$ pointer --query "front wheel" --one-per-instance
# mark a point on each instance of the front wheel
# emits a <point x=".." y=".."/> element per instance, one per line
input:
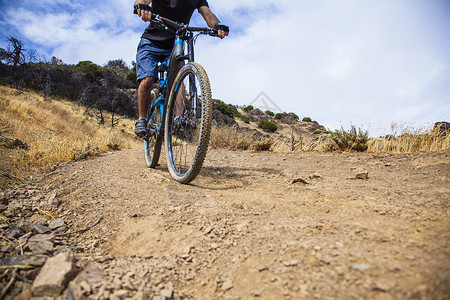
<point x="188" y="123"/>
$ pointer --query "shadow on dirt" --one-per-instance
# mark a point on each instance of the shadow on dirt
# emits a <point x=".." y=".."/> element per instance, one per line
<point x="225" y="178"/>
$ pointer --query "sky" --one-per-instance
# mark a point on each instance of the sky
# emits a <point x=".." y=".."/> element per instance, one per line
<point x="365" y="63"/>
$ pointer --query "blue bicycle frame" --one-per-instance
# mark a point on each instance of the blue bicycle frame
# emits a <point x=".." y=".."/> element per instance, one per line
<point x="167" y="74"/>
<point x="161" y="100"/>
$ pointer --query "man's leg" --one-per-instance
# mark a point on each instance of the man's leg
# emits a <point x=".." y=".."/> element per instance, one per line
<point x="146" y="68"/>
<point x="147" y="58"/>
<point x="181" y="99"/>
<point x="144" y="89"/>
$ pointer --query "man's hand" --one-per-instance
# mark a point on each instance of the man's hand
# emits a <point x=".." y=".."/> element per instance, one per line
<point x="222" y="30"/>
<point x="222" y="34"/>
<point x="144" y="11"/>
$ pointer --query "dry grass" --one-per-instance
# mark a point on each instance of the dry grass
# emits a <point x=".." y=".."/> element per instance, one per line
<point x="54" y="131"/>
<point x="299" y="143"/>
<point x="230" y="137"/>
<point x="406" y="138"/>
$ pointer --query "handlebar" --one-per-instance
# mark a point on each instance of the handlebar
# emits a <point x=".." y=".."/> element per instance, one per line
<point x="180" y="28"/>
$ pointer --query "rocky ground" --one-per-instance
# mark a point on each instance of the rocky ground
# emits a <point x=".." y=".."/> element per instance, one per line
<point x="253" y="225"/>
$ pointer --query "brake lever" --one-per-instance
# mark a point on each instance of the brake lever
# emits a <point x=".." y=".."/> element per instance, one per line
<point x="158" y="22"/>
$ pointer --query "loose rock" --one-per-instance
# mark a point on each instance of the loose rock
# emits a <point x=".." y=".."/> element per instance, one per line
<point x="24" y="260"/>
<point x="54" y="224"/>
<point x="299" y="180"/>
<point x="361" y="267"/>
<point x="41" y="228"/>
<point x="55" y="275"/>
<point x="315" y="176"/>
<point x="227" y="285"/>
<point x="81" y="285"/>
<point x="166" y="293"/>
<point x="14" y="233"/>
<point x="362" y="174"/>
<point x="291" y="263"/>
<point x="41" y="247"/>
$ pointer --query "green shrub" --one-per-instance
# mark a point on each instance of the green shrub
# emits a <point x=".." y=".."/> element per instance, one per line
<point x="224" y="108"/>
<point x="294" y="115"/>
<point x="270" y="113"/>
<point x="248" y="108"/>
<point x="243" y="145"/>
<point x="91" y="71"/>
<point x="352" y="140"/>
<point x="317" y="132"/>
<point x="306" y="119"/>
<point x="263" y="144"/>
<point x="267" y="125"/>
<point x="243" y="118"/>
<point x="278" y="116"/>
<point x="132" y="76"/>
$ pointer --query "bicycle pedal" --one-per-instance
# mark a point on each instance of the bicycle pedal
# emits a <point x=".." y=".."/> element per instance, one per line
<point x="151" y="131"/>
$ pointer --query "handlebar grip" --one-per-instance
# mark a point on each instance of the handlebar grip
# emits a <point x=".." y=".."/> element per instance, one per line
<point x="213" y="32"/>
<point x="222" y="27"/>
<point x="142" y="7"/>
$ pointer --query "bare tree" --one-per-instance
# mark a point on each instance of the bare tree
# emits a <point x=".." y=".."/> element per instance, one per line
<point x="32" y="56"/>
<point x="14" y="53"/>
<point x="293" y="142"/>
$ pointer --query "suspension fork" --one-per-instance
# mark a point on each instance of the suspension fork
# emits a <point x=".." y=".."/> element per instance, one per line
<point x="193" y="87"/>
<point x="190" y="47"/>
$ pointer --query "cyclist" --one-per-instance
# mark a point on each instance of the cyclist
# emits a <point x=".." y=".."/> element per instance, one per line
<point x="156" y="45"/>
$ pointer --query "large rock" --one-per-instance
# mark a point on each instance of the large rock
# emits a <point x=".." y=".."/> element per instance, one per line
<point x="55" y="275"/>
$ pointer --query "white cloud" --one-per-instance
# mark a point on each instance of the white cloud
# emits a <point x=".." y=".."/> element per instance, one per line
<point x="79" y="31"/>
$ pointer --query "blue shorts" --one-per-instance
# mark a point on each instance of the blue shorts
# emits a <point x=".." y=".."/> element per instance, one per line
<point x="147" y="58"/>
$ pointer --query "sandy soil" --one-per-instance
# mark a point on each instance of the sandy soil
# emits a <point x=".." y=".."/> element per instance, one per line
<point x="266" y="225"/>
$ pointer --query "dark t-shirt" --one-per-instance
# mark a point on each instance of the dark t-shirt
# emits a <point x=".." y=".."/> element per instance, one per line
<point x="176" y="10"/>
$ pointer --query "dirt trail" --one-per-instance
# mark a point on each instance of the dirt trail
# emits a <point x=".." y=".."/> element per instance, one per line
<point x="249" y="226"/>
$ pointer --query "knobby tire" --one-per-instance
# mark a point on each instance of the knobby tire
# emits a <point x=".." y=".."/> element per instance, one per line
<point x="194" y="139"/>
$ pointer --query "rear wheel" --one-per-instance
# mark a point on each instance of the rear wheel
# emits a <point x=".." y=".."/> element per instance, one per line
<point x="153" y="140"/>
<point x="188" y="123"/>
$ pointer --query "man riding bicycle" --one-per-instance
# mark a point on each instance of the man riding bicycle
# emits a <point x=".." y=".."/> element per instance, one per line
<point x="156" y="45"/>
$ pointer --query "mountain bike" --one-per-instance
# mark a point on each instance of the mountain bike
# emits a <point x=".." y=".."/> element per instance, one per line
<point x="181" y="112"/>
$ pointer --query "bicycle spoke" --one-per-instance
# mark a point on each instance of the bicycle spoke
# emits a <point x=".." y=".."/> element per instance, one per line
<point x="187" y="133"/>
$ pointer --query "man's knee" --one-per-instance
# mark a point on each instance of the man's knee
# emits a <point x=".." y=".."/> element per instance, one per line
<point x="146" y="82"/>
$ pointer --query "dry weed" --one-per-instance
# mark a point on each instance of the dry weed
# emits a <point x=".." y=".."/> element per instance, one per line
<point x="231" y="137"/>
<point x="405" y="138"/>
<point x="300" y="143"/>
